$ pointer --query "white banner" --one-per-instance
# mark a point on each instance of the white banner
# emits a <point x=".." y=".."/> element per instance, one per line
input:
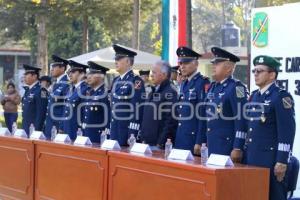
<point x="276" y="33"/>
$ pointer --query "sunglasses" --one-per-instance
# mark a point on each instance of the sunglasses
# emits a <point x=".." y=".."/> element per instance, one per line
<point x="258" y="71"/>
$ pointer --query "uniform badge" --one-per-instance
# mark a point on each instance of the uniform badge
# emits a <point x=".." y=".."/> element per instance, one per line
<point x="267" y="102"/>
<point x="210" y="96"/>
<point x="240" y="92"/>
<point x="137" y="84"/>
<point x="287" y="102"/>
<point x="221" y="94"/>
<point x="44" y="94"/>
<point x="191" y="90"/>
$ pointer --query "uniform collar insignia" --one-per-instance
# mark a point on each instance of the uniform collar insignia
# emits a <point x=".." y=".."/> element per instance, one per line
<point x="221" y="94"/>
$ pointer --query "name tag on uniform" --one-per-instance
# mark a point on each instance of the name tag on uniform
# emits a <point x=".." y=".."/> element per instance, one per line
<point x="37" y="135"/>
<point x="219" y="160"/>
<point x="179" y="154"/>
<point x="62" y="138"/>
<point x="4" y="132"/>
<point x="20" y="133"/>
<point x="111" y="145"/>
<point x="82" y="141"/>
<point x="141" y="148"/>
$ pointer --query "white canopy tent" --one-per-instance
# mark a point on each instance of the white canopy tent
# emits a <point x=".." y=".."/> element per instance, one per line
<point x="105" y="57"/>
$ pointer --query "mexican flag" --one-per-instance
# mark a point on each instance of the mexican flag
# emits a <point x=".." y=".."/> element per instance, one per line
<point x="173" y="28"/>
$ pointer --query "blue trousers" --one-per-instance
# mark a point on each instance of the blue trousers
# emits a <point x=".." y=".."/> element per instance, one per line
<point x="10" y="118"/>
<point x="278" y="190"/>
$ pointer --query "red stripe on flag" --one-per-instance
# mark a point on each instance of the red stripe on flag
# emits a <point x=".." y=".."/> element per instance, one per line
<point x="182" y="41"/>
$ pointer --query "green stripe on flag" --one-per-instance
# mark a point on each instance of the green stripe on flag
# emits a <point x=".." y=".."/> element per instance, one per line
<point x="165" y="29"/>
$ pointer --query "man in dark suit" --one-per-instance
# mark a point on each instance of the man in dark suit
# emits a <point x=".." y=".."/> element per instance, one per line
<point x="158" y="123"/>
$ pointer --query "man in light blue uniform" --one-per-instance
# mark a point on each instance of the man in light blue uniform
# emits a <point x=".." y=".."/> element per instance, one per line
<point x="34" y="101"/>
<point x="58" y="95"/>
<point x="73" y="119"/>
<point x="97" y="107"/>
<point x="271" y="125"/>
<point x="226" y="125"/>
<point x="127" y="95"/>
<point x="190" y="132"/>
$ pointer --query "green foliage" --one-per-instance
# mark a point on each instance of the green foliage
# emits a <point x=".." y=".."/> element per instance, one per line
<point x="207" y="21"/>
<point x="265" y="3"/>
<point x="108" y="22"/>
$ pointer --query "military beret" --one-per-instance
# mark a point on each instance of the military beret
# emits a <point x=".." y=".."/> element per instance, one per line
<point x="96" y="68"/>
<point x="221" y="55"/>
<point x="31" y="69"/>
<point x="75" y="66"/>
<point x="144" y="72"/>
<point x="122" y="52"/>
<point x="186" y="54"/>
<point x="268" y="61"/>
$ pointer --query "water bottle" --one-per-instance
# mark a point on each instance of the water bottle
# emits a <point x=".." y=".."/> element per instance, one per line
<point x="131" y="140"/>
<point x="53" y="133"/>
<point x="14" y="128"/>
<point x="103" y="137"/>
<point x="204" y="153"/>
<point x="79" y="132"/>
<point x="31" y="129"/>
<point x="168" y="147"/>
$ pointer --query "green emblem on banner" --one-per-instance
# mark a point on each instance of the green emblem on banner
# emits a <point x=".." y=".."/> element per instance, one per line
<point x="260" y="29"/>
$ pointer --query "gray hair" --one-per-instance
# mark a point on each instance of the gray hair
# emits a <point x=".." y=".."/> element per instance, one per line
<point x="164" y="67"/>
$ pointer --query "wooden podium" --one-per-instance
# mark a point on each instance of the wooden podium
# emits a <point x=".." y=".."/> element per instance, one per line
<point x="68" y="172"/>
<point x="134" y="177"/>
<point x="16" y="168"/>
<point x="46" y="170"/>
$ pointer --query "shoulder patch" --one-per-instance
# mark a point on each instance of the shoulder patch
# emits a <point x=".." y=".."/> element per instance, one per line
<point x="287" y="102"/>
<point x="240" y="91"/>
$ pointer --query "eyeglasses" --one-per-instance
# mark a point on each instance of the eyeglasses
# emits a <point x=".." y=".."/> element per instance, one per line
<point x="258" y="71"/>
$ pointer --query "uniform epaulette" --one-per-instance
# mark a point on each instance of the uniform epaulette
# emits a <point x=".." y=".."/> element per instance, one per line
<point x="239" y="82"/>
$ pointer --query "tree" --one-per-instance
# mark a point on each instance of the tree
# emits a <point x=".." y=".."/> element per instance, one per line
<point x="75" y="26"/>
<point x="207" y="21"/>
<point x="42" y="56"/>
<point x="136" y="24"/>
